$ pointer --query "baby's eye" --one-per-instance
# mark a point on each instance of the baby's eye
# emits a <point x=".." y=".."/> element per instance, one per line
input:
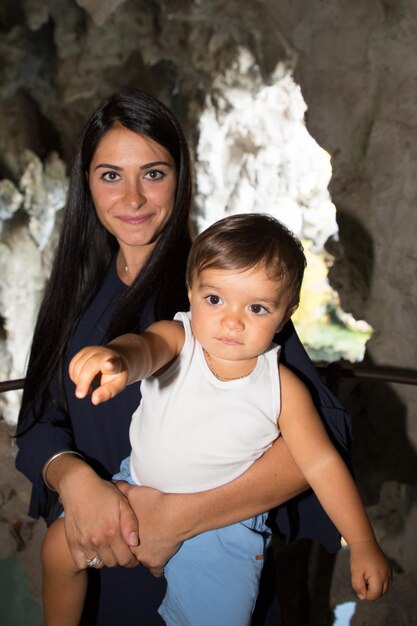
<point x="155" y="174"/>
<point x="213" y="300"/>
<point x="258" y="309"/>
<point x="110" y="177"/>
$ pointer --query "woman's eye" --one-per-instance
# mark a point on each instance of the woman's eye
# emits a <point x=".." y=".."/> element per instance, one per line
<point x="213" y="300"/>
<point x="258" y="309"/>
<point x="154" y="174"/>
<point x="110" y="177"/>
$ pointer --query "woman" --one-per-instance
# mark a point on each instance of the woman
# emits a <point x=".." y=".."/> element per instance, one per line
<point x="119" y="266"/>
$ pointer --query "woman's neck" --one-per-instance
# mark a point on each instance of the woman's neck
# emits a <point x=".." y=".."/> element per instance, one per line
<point x="130" y="262"/>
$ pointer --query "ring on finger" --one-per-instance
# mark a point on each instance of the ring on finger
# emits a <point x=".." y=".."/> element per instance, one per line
<point x="95" y="561"/>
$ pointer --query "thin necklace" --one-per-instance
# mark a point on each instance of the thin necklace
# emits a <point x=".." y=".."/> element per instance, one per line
<point x="122" y="263"/>
<point x="213" y="371"/>
<point x="124" y="267"/>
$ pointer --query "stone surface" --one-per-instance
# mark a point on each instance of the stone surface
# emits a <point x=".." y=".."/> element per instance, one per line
<point x="18" y="532"/>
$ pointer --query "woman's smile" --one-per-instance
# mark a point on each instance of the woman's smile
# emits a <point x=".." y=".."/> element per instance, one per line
<point x="134" y="219"/>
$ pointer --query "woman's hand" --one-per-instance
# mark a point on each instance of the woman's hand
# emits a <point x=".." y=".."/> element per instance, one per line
<point x="160" y="525"/>
<point x="370" y="570"/>
<point x="98" y="518"/>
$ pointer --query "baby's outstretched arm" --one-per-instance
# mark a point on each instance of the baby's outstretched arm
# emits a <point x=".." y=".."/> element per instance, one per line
<point x="125" y="360"/>
<point x="332" y="483"/>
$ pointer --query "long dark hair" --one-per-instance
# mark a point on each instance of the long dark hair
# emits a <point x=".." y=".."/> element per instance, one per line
<point x="85" y="248"/>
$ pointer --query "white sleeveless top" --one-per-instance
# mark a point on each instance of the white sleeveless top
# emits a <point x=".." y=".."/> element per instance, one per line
<point x="193" y="432"/>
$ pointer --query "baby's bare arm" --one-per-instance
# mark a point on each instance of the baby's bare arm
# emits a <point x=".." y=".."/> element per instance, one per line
<point x="124" y="360"/>
<point x="332" y="482"/>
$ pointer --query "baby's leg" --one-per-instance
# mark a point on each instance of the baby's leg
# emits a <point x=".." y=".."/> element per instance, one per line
<point x="64" y="586"/>
<point x="214" y="577"/>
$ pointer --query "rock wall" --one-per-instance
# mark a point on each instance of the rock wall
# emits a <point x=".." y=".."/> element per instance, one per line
<point x="356" y="64"/>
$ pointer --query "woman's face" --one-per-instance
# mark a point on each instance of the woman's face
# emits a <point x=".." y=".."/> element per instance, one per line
<point x="132" y="182"/>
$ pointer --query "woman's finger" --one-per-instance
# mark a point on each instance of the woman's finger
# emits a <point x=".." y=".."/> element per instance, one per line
<point x="93" y="525"/>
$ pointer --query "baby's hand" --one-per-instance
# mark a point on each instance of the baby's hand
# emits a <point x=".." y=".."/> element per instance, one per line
<point x="370" y="570"/>
<point x="103" y="365"/>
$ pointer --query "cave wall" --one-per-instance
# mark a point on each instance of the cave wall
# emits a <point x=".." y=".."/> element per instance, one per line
<point x="356" y="64"/>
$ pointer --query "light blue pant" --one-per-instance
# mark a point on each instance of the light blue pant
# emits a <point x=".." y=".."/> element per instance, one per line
<point x="213" y="579"/>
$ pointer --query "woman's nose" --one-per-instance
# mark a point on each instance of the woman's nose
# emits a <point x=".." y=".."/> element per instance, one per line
<point x="134" y="197"/>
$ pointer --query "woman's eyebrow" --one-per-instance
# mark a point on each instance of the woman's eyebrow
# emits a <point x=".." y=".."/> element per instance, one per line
<point x="154" y="164"/>
<point x="110" y="166"/>
<point x="107" y="166"/>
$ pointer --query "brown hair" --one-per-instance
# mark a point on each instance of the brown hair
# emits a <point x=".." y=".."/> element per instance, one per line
<point x="247" y="240"/>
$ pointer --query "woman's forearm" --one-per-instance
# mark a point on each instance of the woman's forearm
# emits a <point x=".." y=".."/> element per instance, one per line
<point x="168" y="519"/>
<point x="271" y="480"/>
<point x="65" y="466"/>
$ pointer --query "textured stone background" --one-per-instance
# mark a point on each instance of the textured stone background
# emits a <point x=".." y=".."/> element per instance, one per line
<point x="356" y="63"/>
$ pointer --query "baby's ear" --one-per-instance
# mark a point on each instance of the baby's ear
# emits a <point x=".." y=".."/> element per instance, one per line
<point x="290" y="312"/>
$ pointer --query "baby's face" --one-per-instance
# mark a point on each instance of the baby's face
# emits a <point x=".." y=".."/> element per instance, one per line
<point x="235" y="314"/>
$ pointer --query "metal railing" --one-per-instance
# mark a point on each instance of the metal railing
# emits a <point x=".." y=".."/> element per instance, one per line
<point x="12" y="385"/>
<point x="333" y="373"/>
